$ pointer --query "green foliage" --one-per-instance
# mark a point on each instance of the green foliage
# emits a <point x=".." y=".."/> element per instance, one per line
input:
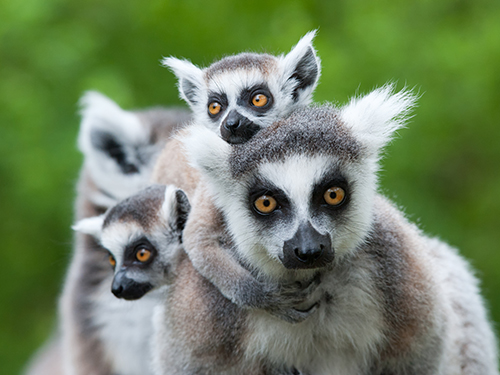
<point x="444" y="169"/>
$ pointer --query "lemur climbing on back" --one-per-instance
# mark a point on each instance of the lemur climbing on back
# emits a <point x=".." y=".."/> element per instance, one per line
<point x="299" y="200"/>
<point x="235" y="98"/>
<point x="120" y="148"/>
<point x="241" y="94"/>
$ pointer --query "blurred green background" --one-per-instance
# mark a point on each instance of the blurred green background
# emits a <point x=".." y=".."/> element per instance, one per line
<point x="444" y="169"/>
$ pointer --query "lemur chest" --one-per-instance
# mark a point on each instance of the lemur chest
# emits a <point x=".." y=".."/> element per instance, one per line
<point x="342" y="336"/>
<point x="125" y="329"/>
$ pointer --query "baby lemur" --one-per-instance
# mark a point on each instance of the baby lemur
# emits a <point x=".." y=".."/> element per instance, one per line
<point x="143" y="237"/>
<point x="299" y="200"/>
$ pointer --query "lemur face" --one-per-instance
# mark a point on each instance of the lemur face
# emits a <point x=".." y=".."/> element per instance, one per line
<point x="300" y="193"/>
<point x="143" y="237"/>
<point x="239" y="95"/>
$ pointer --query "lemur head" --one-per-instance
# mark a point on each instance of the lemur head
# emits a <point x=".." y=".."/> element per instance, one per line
<point x="120" y="147"/>
<point x="143" y="236"/>
<point x="301" y="192"/>
<point x="240" y="94"/>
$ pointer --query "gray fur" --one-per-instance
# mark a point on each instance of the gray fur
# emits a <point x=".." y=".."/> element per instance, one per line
<point x="287" y="81"/>
<point x="394" y="301"/>
<point x="87" y="308"/>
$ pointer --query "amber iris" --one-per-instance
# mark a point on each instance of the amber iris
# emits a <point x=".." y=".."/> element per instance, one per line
<point x="259" y="100"/>
<point x="143" y="255"/>
<point x="265" y="204"/>
<point x="334" y="196"/>
<point x="112" y="261"/>
<point x="214" y="108"/>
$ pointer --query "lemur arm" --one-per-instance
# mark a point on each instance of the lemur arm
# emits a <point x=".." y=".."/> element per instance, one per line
<point x="204" y="242"/>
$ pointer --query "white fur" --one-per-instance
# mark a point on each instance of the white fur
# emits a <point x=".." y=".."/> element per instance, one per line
<point x="232" y="83"/>
<point x="375" y="117"/>
<point x="91" y="225"/>
<point x="101" y="113"/>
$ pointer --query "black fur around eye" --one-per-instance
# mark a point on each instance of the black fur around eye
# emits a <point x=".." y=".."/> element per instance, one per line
<point x="257" y="98"/>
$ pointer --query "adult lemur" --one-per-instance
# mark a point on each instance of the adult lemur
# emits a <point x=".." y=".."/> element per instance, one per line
<point x="120" y="148"/>
<point x="300" y="200"/>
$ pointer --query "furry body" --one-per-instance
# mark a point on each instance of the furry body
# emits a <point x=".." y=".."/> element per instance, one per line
<point x="393" y="301"/>
<point x="98" y="333"/>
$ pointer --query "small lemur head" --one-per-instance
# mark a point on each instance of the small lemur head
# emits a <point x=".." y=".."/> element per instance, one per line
<point x="143" y="236"/>
<point x="301" y="192"/>
<point x="240" y="94"/>
<point x="120" y="147"/>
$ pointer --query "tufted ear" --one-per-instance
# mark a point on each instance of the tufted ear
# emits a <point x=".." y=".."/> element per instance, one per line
<point x="190" y="79"/>
<point x="175" y="208"/>
<point x="301" y="70"/>
<point x="375" y="117"/>
<point x="90" y="225"/>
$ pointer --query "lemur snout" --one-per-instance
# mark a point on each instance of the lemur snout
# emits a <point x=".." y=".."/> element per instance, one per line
<point x="307" y="249"/>
<point x="128" y="289"/>
<point x="236" y="128"/>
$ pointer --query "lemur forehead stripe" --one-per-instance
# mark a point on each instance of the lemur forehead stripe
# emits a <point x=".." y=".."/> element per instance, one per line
<point x="246" y="61"/>
<point x="141" y="208"/>
<point x="307" y="131"/>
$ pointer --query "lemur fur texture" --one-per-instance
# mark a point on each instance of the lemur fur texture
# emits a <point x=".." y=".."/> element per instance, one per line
<point x="99" y="334"/>
<point x="299" y="201"/>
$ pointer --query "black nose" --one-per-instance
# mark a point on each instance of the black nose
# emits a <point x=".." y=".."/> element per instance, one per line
<point x="307" y="249"/>
<point x="129" y="289"/>
<point x="236" y="128"/>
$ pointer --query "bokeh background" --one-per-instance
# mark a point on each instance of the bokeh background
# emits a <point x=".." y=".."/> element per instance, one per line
<point x="443" y="169"/>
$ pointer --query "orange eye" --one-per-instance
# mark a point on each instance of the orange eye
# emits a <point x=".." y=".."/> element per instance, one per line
<point x="259" y="100"/>
<point x="334" y="196"/>
<point x="143" y="255"/>
<point x="265" y="204"/>
<point x="112" y="260"/>
<point x="214" y="108"/>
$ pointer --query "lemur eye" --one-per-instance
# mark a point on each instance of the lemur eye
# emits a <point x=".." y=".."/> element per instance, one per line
<point x="214" y="108"/>
<point x="334" y="196"/>
<point x="259" y="100"/>
<point x="265" y="204"/>
<point x="112" y="260"/>
<point x="143" y="255"/>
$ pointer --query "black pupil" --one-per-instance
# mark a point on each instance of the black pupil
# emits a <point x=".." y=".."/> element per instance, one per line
<point x="333" y="195"/>
<point x="266" y="203"/>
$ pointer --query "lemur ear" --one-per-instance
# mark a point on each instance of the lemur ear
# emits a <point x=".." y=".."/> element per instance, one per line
<point x="90" y="225"/>
<point x="109" y="133"/>
<point x="375" y="117"/>
<point x="190" y="78"/>
<point x="208" y="153"/>
<point x="175" y="208"/>
<point x="301" y="70"/>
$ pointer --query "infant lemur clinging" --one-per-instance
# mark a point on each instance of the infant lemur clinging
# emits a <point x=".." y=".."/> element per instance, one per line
<point x="241" y="94"/>
<point x="254" y="90"/>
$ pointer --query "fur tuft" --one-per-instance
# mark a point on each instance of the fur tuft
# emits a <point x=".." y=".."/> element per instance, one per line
<point x="91" y="225"/>
<point x="375" y="117"/>
<point x="190" y="78"/>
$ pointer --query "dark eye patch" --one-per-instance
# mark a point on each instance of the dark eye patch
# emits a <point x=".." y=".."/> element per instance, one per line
<point x="262" y="187"/>
<point x="333" y="179"/>
<point x="129" y="257"/>
<point x="220" y="98"/>
<point x="246" y="95"/>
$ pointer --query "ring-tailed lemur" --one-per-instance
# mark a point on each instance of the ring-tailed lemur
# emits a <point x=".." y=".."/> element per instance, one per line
<point x="120" y="148"/>
<point x="240" y="94"/>
<point x="143" y="236"/>
<point x="300" y="199"/>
